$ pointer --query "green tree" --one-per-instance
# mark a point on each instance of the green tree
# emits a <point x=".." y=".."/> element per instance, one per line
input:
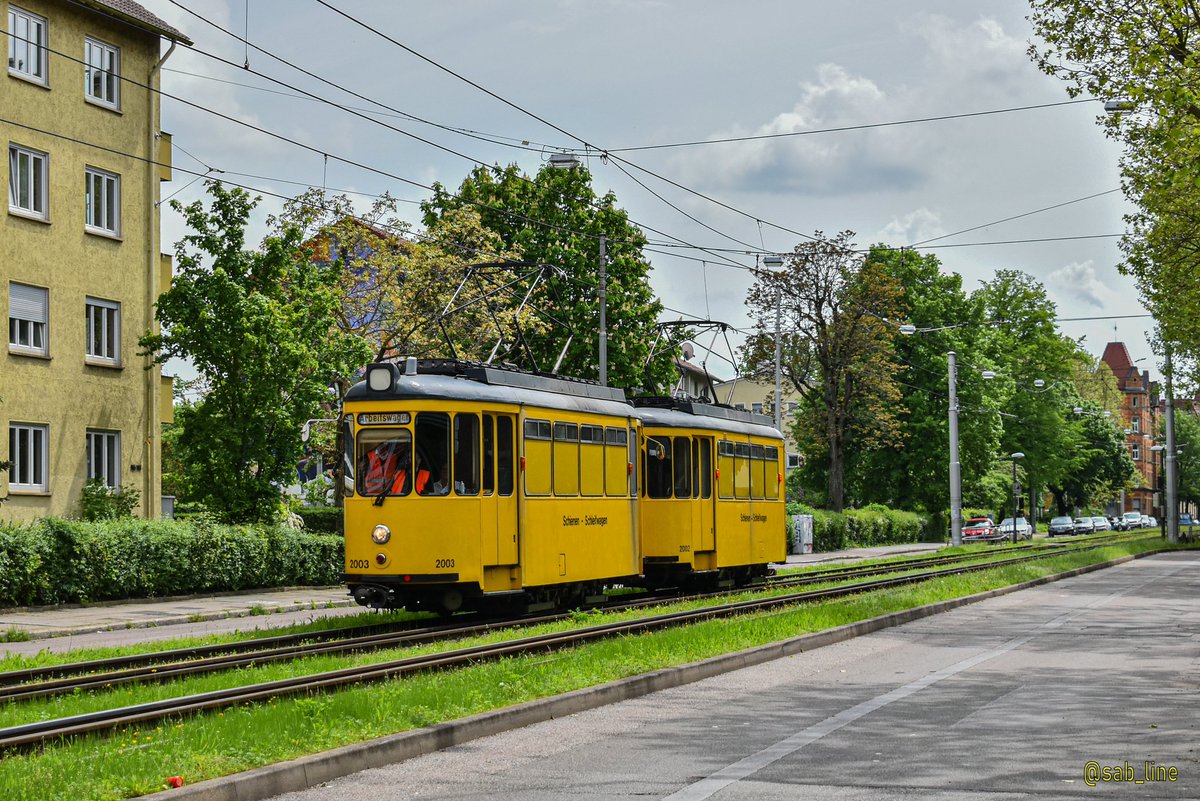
<point x="912" y="470"/>
<point x="1147" y="54"/>
<point x="837" y="350"/>
<point x="259" y="328"/>
<point x="1100" y="465"/>
<point x="555" y="218"/>
<point x="1026" y="348"/>
<point x="1187" y="443"/>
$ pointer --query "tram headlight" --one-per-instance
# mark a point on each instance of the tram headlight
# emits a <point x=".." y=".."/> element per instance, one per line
<point x="381" y="534"/>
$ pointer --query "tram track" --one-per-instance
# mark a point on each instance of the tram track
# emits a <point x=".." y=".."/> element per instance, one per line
<point x="31" y="735"/>
<point x="161" y="666"/>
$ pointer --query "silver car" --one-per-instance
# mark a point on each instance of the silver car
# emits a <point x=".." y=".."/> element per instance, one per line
<point x="1101" y="524"/>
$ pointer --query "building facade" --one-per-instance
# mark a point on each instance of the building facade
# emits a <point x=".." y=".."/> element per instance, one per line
<point x="1138" y="411"/>
<point x="80" y="260"/>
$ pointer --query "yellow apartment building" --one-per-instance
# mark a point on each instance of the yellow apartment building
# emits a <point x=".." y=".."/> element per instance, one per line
<point x="80" y="260"/>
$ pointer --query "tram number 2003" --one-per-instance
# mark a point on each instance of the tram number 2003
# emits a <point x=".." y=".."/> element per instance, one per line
<point x="359" y="564"/>
<point x="438" y="563"/>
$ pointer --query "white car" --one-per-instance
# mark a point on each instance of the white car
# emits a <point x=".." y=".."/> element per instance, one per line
<point x="1101" y="524"/>
<point x="1024" y="531"/>
<point x="1132" y="520"/>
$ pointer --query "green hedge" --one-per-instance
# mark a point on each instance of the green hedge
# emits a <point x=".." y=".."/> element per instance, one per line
<point x="68" y="561"/>
<point x="860" y="528"/>
<point x="321" y="518"/>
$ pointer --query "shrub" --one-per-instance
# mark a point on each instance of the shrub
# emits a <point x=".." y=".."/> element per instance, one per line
<point x="70" y="561"/>
<point x="857" y="528"/>
<point x="102" y="502"/>
<point x="321" y="518"/>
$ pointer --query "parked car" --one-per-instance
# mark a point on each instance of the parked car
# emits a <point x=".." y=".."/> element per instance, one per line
<point x="1153" y="521"/>
<point x="1186" y="519"/>
<point x="1101" y="524"/>
<point x="1060" y="526"/>
<point x="1132" y="520"/>
<point x="1117" y="523"/>
<point x="1083" y="525"/>
<point x="1145" y="521"/>
<point x="1024" y="531"/>
<point x="980" y="529"/>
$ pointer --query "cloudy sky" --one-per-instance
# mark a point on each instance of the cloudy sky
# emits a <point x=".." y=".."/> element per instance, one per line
<point x="624" y="75"/>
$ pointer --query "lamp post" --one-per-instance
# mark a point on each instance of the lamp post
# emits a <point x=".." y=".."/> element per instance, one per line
<point x="1015" y="458"/>
<point x="775" y="262"/>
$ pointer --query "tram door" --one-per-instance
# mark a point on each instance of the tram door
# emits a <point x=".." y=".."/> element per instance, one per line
<point x="498" y="519"/>
<point x="702" y="490"/>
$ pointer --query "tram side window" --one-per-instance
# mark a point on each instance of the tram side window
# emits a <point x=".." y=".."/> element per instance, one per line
<point x="773" y="469"/>
<point x="725" y="465"/>
<point x="466" y="454"/>
<point x="566" y="459"/>
<point x="658" y="467"/>
<point x="489" y="454"/>
<point x="741" y="473"/>
<point x="504" y="455"/>
<point x="706" y="468"/>
<point x="348" y="455"/>
<point x="433" y="453"/>
<point x="384" y="461"/>
<point x="758" y="467"/>
<point x="683" y="467"/>
<point x="537" y="457"/>
<point x="591" y="460"/>
<point x="616" y="461"/>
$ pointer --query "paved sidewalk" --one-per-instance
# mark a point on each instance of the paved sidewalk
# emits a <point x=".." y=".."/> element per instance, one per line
<point x="61" y="621"/>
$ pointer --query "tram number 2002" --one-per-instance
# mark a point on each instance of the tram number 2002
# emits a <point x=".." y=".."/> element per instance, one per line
<point x="438" y="563"/>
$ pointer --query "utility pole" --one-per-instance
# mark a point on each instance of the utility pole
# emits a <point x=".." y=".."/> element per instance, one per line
<point x="955" y="468"/>
<point x="603" y="310"/>
<point x="1169" y="460"/>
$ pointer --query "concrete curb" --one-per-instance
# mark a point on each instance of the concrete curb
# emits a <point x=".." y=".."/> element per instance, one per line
<point x="315" y="769"/>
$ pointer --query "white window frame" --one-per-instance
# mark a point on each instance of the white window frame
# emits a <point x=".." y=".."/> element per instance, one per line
<point x="22" y="43"/>
<point x="28" y="319"/>
<point x="1137" y="452"/>
<point x="95" y="56"/>
<point x="35" y="183"/>
<point x="103" y="335"/>
<point x="104" y="457"/>
<point x="1136" y="425"/>
<point x="102" y="201"/>
<point x="29" y="453"/>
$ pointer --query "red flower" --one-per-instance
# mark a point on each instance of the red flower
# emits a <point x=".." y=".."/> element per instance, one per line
<point x="175" y="781"/>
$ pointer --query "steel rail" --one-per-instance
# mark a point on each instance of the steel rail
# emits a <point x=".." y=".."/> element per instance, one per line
<point x="34" y="734"/>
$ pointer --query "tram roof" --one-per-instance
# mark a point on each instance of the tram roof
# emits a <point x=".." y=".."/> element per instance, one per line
<point x="675" y="413"/>
<point x="466" y="381"/>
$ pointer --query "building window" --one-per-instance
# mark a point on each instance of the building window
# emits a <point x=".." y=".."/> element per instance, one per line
<point x="793" y="461"/>
<point x="27" y="174"/>
<point x="26" y="44"/>
<point x="1137" y="453"/>
<point x="102" y="201"/>
<point x="104" y="457"/>
<point x="28" y="319"/>
<point x="792" y="406"/>
<point x="102" y="72"/>
<point x="1136" y="423"/>
<point x="103" y="330"/>
<point x="27" y="451"/>
<point x="757" y="408"/>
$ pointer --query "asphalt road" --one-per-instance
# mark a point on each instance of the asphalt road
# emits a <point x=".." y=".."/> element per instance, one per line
<point x="1010" y="698"/>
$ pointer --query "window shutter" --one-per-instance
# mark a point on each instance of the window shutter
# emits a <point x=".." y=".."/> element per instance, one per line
<point x="28" y="303"/>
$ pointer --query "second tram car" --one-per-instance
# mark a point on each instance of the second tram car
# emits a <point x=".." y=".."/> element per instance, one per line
<point x="475" y="487"/>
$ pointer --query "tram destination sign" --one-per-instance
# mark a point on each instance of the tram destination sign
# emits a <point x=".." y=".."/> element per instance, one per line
<point x="383" y="418"/>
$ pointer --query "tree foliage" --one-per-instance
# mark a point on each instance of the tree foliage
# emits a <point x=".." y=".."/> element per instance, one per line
<point x="556" y="219"/>
<point x="837" y="349"/>
<point x="259" y="328"/>
<point x="1146" y="54"/>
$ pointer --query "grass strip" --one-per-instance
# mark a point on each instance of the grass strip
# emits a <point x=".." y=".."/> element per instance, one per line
<point x="135" y="762"/>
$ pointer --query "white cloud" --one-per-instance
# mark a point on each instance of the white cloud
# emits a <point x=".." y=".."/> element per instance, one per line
<point x="1079" y="282"/>
<point x="916" y="226"/>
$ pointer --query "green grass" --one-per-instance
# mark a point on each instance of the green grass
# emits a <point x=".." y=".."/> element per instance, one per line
<point x="135" y="762"/>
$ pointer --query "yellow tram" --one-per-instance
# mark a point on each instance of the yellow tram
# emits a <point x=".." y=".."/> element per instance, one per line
<point x="472" y="486"/>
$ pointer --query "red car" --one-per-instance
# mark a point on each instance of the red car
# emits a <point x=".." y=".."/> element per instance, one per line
<point x="980" y="529"/>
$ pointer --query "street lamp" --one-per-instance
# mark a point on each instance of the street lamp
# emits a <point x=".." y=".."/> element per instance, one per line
<point x="1015" y="458"/>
